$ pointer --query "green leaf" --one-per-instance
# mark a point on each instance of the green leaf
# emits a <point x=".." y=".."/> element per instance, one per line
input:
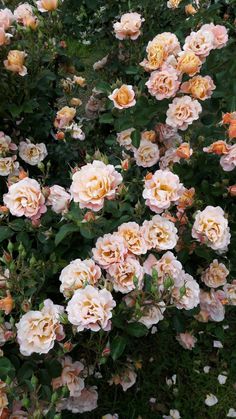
<point x="103" y="87"/>
<point x="5" y="233"/>
<point x="106" y="118"/>
<point x="136" y="137"/>
<point x="88" y="230"/>
<point x="117" y="347"/>
<point x="65" y="231"/>
<point x="6" y="368"/>
<point x="136" y="329"/>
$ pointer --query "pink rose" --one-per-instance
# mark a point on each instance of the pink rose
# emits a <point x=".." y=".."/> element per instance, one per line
<point x="59" y="199"/>
<point x="228" y="161"/>
<point x="186" y="340"/>
<point x="111" y="248"/>
<point x="163" y="83"/>
<point x="124" y="274"/>
<point x="6" y="18"/>
<point x="219" y="32"/>
<point x="182" y="112"/>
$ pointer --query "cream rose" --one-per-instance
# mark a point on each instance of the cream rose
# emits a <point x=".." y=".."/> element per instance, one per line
<point x="25" y="16"/>
<point x="219" y="33"/>
<point x="147" y="154"/>
<point x="8" y="165"/>
<point x="228" y="160"/>
<point x="159" y="233"/>
<point x="111" y="248"/>
<point x="166" y="267"/>
<point x="70" y="377"/>
<point x="93" y="183"/>
<point x="31" y="153"/>
<point x="78" y="274"/>
<point x="6" y="144"/>
<point x="230" y="293"/>
<point x="58" y="199"/>
<point x="4" y="37"/>
<point x="15" y="62"/>
<point x="188" y="62"/>
<point x="199" y="87"/>
<point x="200" y="42"/>
<point x="124" y="138"/>
<point x="163" y="83"/>
<point x="124" y="274"/>
<point x="132" y="236"/>
<point x="211" y="307"/>
<point x="215" y="275"/>
<point x="211" y="227"/>
<point x="90" y="308"/>
<point x="124" y="97"/>
<point x="182" y="112"/>
<point x="38" y="330"/>
<point x="187" y="294"/>
<point x="152" y="314"/>
<point x="156" y="55"/>
<point x="25" y="198"/>
<point x="128" y="27"/>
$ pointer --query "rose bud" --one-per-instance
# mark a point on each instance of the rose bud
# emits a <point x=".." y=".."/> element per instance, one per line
<point x="89" y="216"/>
<point x="232" y="190"/>
<point x="7" y="303"/>
<point x="125" y="164"/>
<point x="184" y="151"/>
<point x="60" y="135"/>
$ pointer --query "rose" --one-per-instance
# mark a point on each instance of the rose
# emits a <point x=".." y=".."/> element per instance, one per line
<point x="64" y="117"/>
<point x="211" y="307"/>
<point x="24" y="15"/>
<point x="70" y="377"/>
<point x="111" y="248"/>
<point x="134" y="241"/>
<point x="129" y="26"/>
<point x="152" y="314"/>
<point x="162" y="189"/>
<point x="200" y="42"/>
<point x="90" y="308"/>
<point x="78" y="274"/>
<point x="211" y="227"/>
<point x="186" y="340"/>
<point x="93" y="183"/>
<point x="230" y="293"/>
<point x="159" y="233"/>
<point x="186" y="295"/>
<point x="166" y="267"/>
<point x="147" y="154"/>
<point x="124" y="138"/>
<point x="124" y="97"/>
<point x="38" y="330"/>
<point x="59" y="199"/>
<point x="199" y="87"/>
<point x="25" y="198"/>
<point x="4" y="37"/>
<point x="163" y="83"/>
<point x="215" y="275"/>
<point x="47" y="5"/>
<point x="188" y="62"/>
<point x="228" y="161"/>
<point x="8" y="165"/>
<point x="86" y="402"/>
<point x="218" y="147"/>
<point x="219" y="33"/>
<point x="6" y="18"/>
<point x="124" y="274"/>
<point x="156" y="55"/>
<point x="15" y="62"/>
<point x="182" y="112"/>
<point x="31" y="153"/>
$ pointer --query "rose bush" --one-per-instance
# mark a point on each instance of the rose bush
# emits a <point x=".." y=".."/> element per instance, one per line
<point x="117" y="220"/>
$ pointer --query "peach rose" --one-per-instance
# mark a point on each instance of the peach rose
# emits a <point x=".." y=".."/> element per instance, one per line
<point x="47" y="5"/>
<point x="215" y="275"/>
<point x="200" y="42"/>
<point x="111" y="248"/>
<point x="8" y="165"/>
<point x="31" y="153"/>
<point x="124" y="138"/>
<point x="186" y="294"/>
<point x="6" y="18"/>
<point x="64" y="117"/>
<point x="219" y="33"/>
<point x="230" y="293"/>
<point x="232" y="130"/>
<point x="163" y="83"/>
<point x="25" y="16"/>
<point x="156" y="55"/>
<point x="184" y="151"/>
<point x="211" y="227"/>
<point x="126" y="378"/>
<point x="199" y="87"/>
<point x="15" y="62"/>
<point x="228" y="161"/>
<point x="173" y="4"/>
<point x="167" y="267"/>
<point x="218" y="147"/>
<point x="59" y="199"/>
<point x="149" y="136"/>
<point x="186" y="340"/>
<point x="170" y="41"/>
<point x="79" y="80"/>
<point x="188" y="62"/>
<point x="128" y="27"/>
<point x="25" y="198"/>
<point x="162" y="190"/>
<point x="93" y="183"/>
<point x="38" y="330"/>
<point x="124" y="97"/>
<point x="70" y="377"/>
<point x="91" y="308"/>
<point x="124" y="274"/>
<point x="159" y="233"/>
<point x="186" y="199"/>
<point x="147" y="154"/>
<point x="4" y="37"/>
<point x="211" y="307"/>
<point x="78" y="274"/>
<point x="190" y="10"/>
<point x="151" y="313"/>
<point x="132" y="236"/>
<point x="7" y="303"/>
<point x="232" y="190"/>
<point x="182" y="112"/>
